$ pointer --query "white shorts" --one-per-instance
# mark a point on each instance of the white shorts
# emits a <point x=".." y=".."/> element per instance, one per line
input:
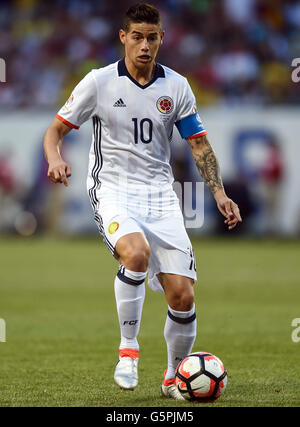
<point x="162" y="225"/>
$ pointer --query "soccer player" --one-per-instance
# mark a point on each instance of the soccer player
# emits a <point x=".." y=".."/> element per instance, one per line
<point x="134" y="104"/>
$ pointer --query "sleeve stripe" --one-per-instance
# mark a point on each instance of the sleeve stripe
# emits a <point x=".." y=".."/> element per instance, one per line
<point x="197" y="135"/>
<point x="66" y="122"/>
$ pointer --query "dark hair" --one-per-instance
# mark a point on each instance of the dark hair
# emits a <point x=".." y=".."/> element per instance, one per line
<point x="141" y="12"/>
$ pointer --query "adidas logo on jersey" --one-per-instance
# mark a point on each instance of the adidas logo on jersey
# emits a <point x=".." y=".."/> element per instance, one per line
<point x="119" y="103"/>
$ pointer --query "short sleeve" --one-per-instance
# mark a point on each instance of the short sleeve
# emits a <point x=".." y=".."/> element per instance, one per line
<point x="82" y="103"/>
<point x="188" y="121"/>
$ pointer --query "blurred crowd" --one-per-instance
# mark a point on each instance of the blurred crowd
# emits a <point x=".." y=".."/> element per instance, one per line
<point x="234" y="52"/>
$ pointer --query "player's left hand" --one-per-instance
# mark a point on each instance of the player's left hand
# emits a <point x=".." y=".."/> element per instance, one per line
<point x="229" y="209"/>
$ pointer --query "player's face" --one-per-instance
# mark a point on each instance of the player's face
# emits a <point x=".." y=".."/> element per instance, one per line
<point x="142" y="42"/>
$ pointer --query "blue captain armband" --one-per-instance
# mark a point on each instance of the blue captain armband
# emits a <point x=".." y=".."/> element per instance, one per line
<point x="191" y="126"/>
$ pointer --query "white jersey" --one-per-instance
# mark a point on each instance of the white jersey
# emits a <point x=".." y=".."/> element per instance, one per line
<point x="133" y="124"/>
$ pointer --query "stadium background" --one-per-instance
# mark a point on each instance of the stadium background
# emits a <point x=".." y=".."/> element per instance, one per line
<point x="237" y="56"/>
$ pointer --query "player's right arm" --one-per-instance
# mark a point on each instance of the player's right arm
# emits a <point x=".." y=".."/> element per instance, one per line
<point x="79" y="108"/>
<point x="58" y="170"/>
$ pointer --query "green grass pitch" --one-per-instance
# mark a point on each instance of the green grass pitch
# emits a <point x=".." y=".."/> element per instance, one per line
<point x="62" y="335"/>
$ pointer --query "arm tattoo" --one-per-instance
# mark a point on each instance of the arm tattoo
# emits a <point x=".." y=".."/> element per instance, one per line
<point x="207" y="163"/>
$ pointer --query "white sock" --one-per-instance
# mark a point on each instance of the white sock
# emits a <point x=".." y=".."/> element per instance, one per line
<point x="130" y="295"/>
<point x="180" y="334"/>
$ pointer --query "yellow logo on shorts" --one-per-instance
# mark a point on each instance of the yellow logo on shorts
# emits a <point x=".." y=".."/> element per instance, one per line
<point x="113" y="227"/>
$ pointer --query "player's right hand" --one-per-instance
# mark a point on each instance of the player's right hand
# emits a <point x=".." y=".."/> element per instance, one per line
<point x="58" y="172"/>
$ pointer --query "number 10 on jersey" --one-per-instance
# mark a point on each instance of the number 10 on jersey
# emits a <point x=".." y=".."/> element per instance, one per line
<point x="142" y="130"/>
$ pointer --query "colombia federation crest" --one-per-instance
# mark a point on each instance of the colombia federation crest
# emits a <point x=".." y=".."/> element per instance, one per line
<point x="113" y="227"/>
<point x="165" y="104"/>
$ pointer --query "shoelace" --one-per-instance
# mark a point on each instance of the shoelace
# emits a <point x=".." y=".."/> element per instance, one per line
<point x="127" y="364"/>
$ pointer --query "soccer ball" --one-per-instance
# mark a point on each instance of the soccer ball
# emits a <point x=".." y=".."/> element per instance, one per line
<point x="201" y="376"/>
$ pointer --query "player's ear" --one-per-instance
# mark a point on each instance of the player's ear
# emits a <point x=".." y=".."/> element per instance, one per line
<point x="122" y="36"/>
<point x="162" y="35"/>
